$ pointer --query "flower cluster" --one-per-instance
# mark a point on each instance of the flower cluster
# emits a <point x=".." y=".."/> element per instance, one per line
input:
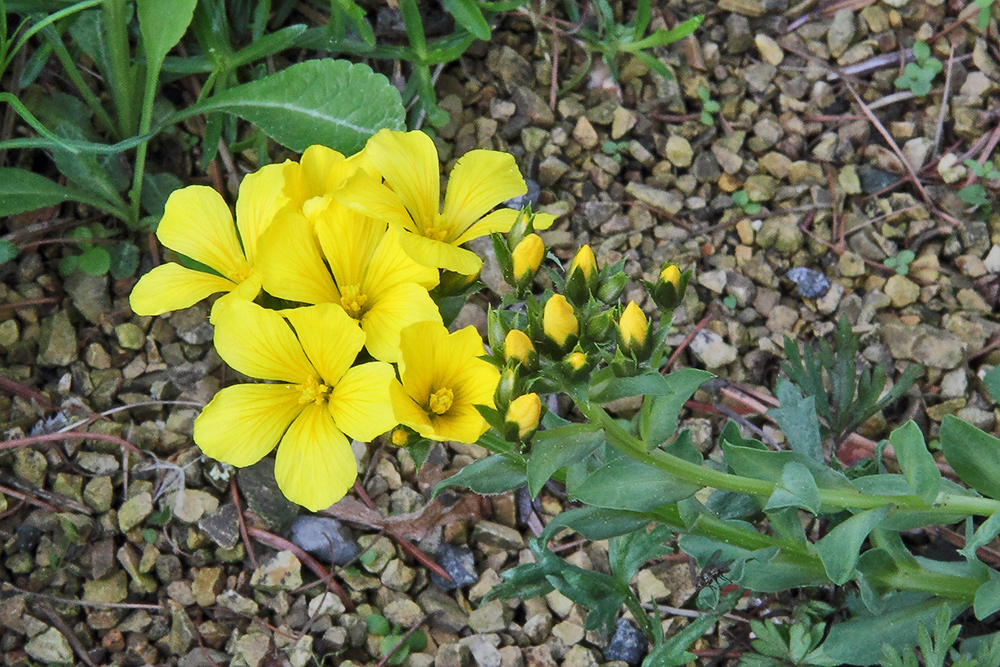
<point x="345" y="251"/>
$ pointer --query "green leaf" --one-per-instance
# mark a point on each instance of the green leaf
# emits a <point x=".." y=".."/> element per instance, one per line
<point x="22" y="190"/>
<point x="921" y="51"/>
<point x="377" y="625"/>
<point x="916" y="461"/>
<point x="646" y="487"/>
<point x="330" y="102"/>
<point x="992" y="382"/>
<point x="840" y="547"/>
<point x="67" y="265"/>
<point x="524" y="581"/>
<point x="468" y="15"/>
<point x="973" y="454"/>
<point x="673" y="652"/>
<point x="987" y="600"/>
<point x="156" y="188"/>
<point x="983" y="535"/>
<point x="797" y="419"/>
<point x="555" y="449"/>
<point x="8" y="251"/>
<point x="798" y="489"/>
<point x="418" y="452"/>
<point x="660" y="413"/>
<point x="753" y="459"/>
<point x="489" y="476"/>
<point x="768" y="572"/>
<point x="124" y="260"/>
<point x="162" y="24"/>
<point x="596" y="523"/>
<point x="630" y="552"/>
<point x="96" y="261"/>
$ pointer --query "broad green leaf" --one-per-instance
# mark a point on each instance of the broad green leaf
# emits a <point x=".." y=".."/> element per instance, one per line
<point x="660" y="413"/>
<point x="987" y="601"/>
<point x="162" y="24"/>
<point x="555" y="449"/>
<point x="753" y="459"/>
<point x="768" y="571"/>
<point x="468" y="15"/>
<point x="489" y="476"/>
<point x="155" y="190"/>
<point x="839" y="548"/>
<point x="8" y="251"/>
<point x="627" y="484"/>
<point x="992" y="382"/>
<point x="973" y="454"/>
<point x="797" y="419"/>
<point x="329" y="102"/>
<point x="611" y="388"/>
<point x="22" y="190"/>
<point x="595" y="523"/>
<point x="916" y="461"/>
<point x="96" y="261"/>
<point x="798" y="489"/>
<point x="787" y="524"/>
<point x="124" y="260"/>
<point x="418" y="452"/>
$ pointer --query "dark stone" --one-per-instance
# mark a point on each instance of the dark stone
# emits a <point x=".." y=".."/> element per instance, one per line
<point x="460" y="565"/>
<point x="325" y="538"/>
<point x="875" y="180"/>
<point x="627" y="644"/>
<point x="811" y="283"/>
<point x="263" y="496"/>
<point x="530" y="197"/>
<point x="222" y="526"/>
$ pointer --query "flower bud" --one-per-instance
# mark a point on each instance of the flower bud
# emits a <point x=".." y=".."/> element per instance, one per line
<point x="576" y="364"/>
<point x="668" y="292"/>
<point x="527" y="257"/>
<point x="508" y="387"/>
<point x="559" y="322"/>
<point x="523" y="415"/>
<point x="453" y="283"/>
<point x="517" y="347"/>
<point x="633" y="332"/>
<point x="582" y="276"/>
<point x="612" y="288"/>
<point x="399" y="436"/>
<point x="600" y="326"/>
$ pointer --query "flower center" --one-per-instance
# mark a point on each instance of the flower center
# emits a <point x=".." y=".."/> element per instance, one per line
<point x="439" y="230"/>
<point x="441" y="400"/>
<point x="314" y="391"/>
<point x="353" y="301"/>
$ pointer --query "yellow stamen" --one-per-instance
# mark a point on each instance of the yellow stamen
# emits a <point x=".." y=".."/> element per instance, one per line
<point x="314" y="391"/>
<point x="353" y="301"/>
<point x="440" y="401"/>
<point x="439" y="230"/>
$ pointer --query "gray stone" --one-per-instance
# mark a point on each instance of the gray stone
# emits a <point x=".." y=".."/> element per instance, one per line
<point x="57" y="341"/>
<point x="403" y="612"/>
<point x="134" y="511"/>
<point x="811" y="283"/>
<point x="222" y="526"/>
<point x="251" y="649"/>
<point x="491" y="617"/>
<point x="325" y="538"/>
<point x="902" y="291"/>
<point x="460" y="565"/>
<point x="236" y="603"/>
<point x="50" y="648"/>
<point x="497" y="535"/>
<point x="664" y="200"/>
<point x="511" y="67"/>
<point x="627" y="644"/>
<point x="551" y="170"/>
<point x="738" y="36"/>
<point x="190" y="505"/>
<point x="841" y="32"/>
<point x="283" y="572"/>
<point x="89" y="295"/>
<point x="678" y="151"/>
<point x="532" y="106"/>
<point x="711" y="350"/>
<point x="130" y="336"/>
<point x="484" y="651"/>
<point x="263" y="496"/>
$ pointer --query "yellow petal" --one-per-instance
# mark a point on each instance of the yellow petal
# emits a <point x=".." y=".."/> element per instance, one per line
<point x="174" y="287"/>
<point x="348" y="240"/>
<point x="330" y="337"/>
<point x="196" y="222"/>
<point x="315" y="466"/>
<point x="365" y="194"/>
<point x="476" y="382"/>
<point x="498" y="221"/>
<point x="244" y="422"/>
<point x="307" y="178"/>
<point x="407" y="412"/>
<point x="360" y="403"/>
<point x="245" y="291"/>
<point x="420" y="345"/>
<point x="259" y="343"/>
<point x="409" y="163"/>
<point x="390" y="266"/>
<point x="462" y="423"/>
<point x="396" y="308"/>
<point x="259" y="201"/>
<point x="479" y="181"/>
<point x="290" y="264"/>
<point x="439" y="254"/>
<point x="458" y="352"/>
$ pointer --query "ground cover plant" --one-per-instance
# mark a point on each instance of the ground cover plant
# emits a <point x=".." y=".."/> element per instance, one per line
<point x="321" y="297"/>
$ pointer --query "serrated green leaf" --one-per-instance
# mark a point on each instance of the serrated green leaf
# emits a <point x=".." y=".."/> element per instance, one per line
<point x="630" y="552"/>
<point x="916" y="461"/>
<point x="973" y="454"/>
<point x="555" y="449"/>
<point x="840" y="547"/>
<point x="797" y="419"/>
<point x="489" y="476"/>
<point x="329" y="102"/>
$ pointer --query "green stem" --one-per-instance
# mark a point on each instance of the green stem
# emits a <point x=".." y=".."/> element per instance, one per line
<point x="639" y="614"/>
<point x="947" y="506"/>
<point x="116" y="26"/>
<point x="69" y="66"/>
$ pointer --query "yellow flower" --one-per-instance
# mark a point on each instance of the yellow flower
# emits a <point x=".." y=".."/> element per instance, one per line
<point x="411" y="196"/>
<point x="576" y="360"/>
<point x="317" y="399"/>
<point x="197" y="223"/>
<point x="442" y="379"/>
<point x="524" y="412"/>
<point x="373" y="279"/>
<point x="585" y="262"/>
<point x="633" y="326"/>
<point x="311" y="182"/>
<point x="559" y="321"/>
<point x="517" y="346"/>
<point x="671" y="274"/>
<point x="527" y="257"/>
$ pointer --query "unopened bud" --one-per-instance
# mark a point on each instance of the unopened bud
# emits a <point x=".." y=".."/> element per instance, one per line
<point x="600" y="326"/>
<point x="559" y="322"/>
<point x="523" y="415"/>
<point x="612" y="288"/>
<point x="507" y="388"/>
<point x="527" y="257"/>
<point x="517" y="347"/>
<point x="399" y="437"/>
<point x="575" y="365"/>
<point x="633" y="332"/>
<point x="668" y="292"/>
<point x="582" y="276"/>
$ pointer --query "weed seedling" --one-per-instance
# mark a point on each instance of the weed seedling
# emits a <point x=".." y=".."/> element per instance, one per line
<point x="709" y="107"/>
<point x="975" y="194"/>
<point x="917" y="77"/>
<point x="901" y="262"/>
<point x="742" y="199"/>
